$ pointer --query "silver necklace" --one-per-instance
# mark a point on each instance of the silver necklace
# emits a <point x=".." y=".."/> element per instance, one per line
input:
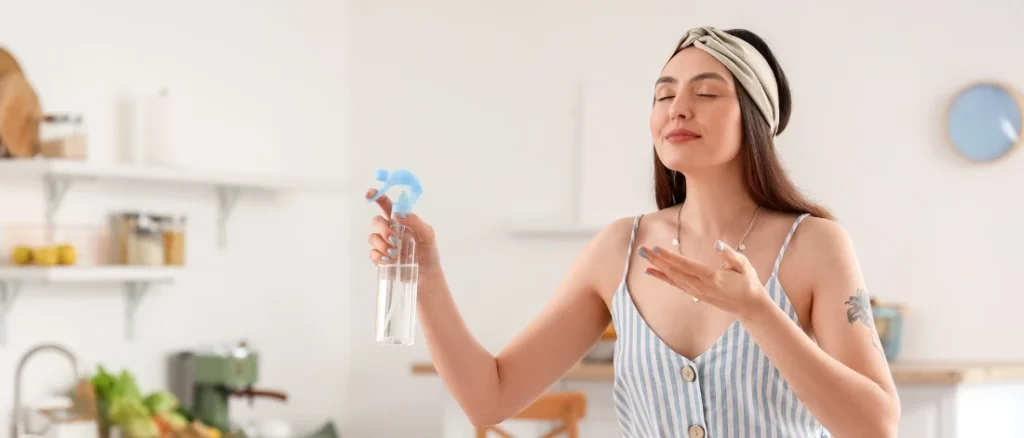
<point x="739" y="246"/>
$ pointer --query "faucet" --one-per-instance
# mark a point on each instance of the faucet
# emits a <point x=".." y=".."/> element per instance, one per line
<point x="16" y="409"/>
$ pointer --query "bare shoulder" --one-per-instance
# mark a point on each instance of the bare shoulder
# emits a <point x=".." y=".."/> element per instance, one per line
<point x="610" y="244"/>
<point x="603" y="259"/>
<point x="822" y="247"/>
<point x="818" y="234"/>
<point x="614" y="235"/>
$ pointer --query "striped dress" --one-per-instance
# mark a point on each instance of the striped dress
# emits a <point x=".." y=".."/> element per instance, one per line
<point x="730" y="391"/>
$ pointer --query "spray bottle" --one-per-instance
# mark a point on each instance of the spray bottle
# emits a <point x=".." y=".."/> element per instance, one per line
<point x="397" y="278"/>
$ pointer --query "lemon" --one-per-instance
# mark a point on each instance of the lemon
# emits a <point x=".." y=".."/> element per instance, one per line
<point x="45" y="256"/>
<point x="21" y="255"/>
<point x="66" y="254"/>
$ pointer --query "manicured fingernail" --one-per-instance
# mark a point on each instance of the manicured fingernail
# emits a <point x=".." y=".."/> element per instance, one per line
<point x="392" y="252"/>
<point x="643" y="252"/>
<point x="393" y="240"/>
<point x="657" y="250"/>
<point x="648" y="273"/>
<point x="385" y="259"/>
<point x="719" y="246"/>
<point x="400" y="215"/>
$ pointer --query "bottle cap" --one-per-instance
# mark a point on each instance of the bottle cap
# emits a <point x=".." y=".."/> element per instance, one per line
<point x="399" y="178"/>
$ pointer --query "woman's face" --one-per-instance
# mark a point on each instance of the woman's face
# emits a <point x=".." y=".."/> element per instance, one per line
<point x="695" y="122"/>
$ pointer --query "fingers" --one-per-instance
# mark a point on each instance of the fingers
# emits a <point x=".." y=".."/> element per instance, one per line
<point x="387" y="250"/>
<point x="383" y="201"/>
<point x="669" y="262"/>
<point x="676" y="281"/>
<point x="383" y="242"/>
<point x="422" y="231"/>
<point x="379" y="258"/>
<point x="383" y="227"/>
<point x="736" y="261"/>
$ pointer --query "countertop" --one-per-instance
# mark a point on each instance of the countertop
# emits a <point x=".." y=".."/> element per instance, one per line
<point x="904" y="373"/>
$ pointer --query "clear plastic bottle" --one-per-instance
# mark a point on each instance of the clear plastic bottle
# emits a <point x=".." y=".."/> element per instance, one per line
<point x="397" y="279"/>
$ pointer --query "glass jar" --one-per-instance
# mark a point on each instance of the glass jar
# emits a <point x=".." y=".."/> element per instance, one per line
<point x="147" y="245"/>
<point x="123" y="230"/>
<point x="173" y="229"/>
<point x="63" y="136"/>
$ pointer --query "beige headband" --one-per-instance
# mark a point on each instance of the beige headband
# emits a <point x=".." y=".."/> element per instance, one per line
<point x="744" y="61"/>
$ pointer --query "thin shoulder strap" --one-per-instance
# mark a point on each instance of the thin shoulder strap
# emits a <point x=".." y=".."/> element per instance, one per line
<point x="785" y="243"/>
<point x="629" y="249"/>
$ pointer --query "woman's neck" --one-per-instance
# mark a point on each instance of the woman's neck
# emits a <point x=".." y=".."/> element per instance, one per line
<point x="716" y="203"/>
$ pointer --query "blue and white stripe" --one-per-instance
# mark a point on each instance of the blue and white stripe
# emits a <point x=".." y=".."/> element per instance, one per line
<point x="736" y="392"/>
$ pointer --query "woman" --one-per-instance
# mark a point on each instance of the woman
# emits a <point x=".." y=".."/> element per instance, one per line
<point x="719" y="334"/>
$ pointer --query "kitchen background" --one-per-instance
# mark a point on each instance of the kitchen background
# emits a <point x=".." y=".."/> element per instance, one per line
<point x="256" y="88"/>
<point x="333" y="90"/>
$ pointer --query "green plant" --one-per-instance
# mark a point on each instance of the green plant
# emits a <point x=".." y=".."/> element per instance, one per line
<point x="122" y="404"/>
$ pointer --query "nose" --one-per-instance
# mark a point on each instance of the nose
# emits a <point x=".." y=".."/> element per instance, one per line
<point x="680" y="108"/>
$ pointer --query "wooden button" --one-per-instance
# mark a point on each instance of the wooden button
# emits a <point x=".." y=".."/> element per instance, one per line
<point x="696" y="431"/>
<point x="689" y="374"/>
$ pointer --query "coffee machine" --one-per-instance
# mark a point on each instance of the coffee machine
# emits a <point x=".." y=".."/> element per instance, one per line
<point x="205" y="381"/>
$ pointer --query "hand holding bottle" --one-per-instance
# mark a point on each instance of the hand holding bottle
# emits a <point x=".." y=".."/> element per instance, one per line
<point x="383" y="241"/>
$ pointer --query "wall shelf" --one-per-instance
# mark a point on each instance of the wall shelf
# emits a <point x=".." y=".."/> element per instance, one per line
<point x="136" y="281"/>
<point x="59" y="175"/>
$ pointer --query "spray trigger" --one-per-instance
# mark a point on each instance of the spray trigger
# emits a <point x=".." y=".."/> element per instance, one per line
<point x="399" y="178"/>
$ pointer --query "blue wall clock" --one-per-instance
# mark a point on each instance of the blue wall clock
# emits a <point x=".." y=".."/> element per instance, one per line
<point x="984" y="121"/>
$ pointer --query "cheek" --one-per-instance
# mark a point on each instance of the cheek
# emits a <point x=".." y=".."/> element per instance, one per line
<point x="658" y="119"/>
<point x="727" y="125"/>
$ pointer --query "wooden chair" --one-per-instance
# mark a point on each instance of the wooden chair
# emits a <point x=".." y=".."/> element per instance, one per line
<point x="568" y="407"/>
<point x="609" y="333"/>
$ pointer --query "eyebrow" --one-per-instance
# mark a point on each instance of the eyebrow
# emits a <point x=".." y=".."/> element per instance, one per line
<point x="700" y="77"/>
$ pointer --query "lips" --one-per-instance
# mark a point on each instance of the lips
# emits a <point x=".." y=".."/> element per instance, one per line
<point x="680" y="135"/>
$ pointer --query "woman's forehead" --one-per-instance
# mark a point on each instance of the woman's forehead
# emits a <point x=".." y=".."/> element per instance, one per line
<point x="692" y="62"/>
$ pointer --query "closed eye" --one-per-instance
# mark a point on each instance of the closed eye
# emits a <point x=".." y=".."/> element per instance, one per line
<point x="707" y="95"/>
<point x="666" y="98"/>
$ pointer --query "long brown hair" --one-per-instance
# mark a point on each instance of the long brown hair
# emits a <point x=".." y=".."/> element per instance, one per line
<point x="767" y="180"/>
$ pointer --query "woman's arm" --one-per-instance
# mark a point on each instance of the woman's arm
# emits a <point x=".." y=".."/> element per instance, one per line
<point x="491" y="389"/>
<point x="844" y="379"/>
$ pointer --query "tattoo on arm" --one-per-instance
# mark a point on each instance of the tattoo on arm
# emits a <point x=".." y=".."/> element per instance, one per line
<point x="878" y="345"/>
<point x="859" y="309"/>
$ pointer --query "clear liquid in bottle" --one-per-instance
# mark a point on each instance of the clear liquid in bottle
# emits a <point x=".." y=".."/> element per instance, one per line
<point x="397" y="282"/>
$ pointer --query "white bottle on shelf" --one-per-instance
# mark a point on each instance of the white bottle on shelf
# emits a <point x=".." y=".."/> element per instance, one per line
<point x="130" y="136"/>
<point x="160" y="129"/>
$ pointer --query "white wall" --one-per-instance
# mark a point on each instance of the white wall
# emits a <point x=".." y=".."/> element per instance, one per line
<point x="485" y="88"/>
<point x="264" y="87"/>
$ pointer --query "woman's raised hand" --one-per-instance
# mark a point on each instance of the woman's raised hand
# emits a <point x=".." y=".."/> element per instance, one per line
<point x="383" y="241"/>
<point x="732" y="286"/>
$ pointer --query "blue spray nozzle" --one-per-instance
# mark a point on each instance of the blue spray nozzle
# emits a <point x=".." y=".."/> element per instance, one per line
<point x="399" y="178"/>
<point x="403" y="206"/>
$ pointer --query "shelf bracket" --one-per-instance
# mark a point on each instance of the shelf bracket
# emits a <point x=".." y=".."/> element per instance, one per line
<point x="227" y="197"/>
<point x="56" y="187"/>
<point x="134" y="292"/>
<point x="8" y="294"/>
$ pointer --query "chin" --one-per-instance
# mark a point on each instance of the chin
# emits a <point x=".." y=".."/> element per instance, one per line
<point x="687" y="161"/>
<point x="692" y="158"/>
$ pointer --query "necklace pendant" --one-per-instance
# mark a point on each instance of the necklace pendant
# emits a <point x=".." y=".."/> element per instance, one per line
<point x="675" y="242"/>
<point x="741" y="247"/>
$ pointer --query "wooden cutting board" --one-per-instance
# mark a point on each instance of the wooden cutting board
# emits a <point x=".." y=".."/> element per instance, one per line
<point x="7" y="62"/>
<point x="20" y="110"/>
